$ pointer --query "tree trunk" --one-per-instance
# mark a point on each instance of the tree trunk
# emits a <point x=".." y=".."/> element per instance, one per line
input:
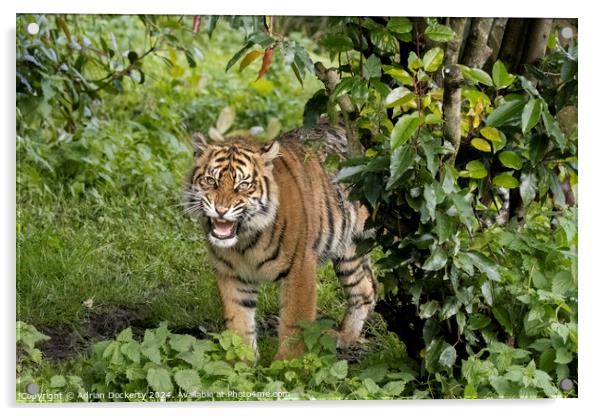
<point x="495" y="38"/>
<point x="453" y="48"/>
<point x="476" y="51"/>
<point x="452" y="106"/>
<point x="512" y="44"/>
<point x="539" y="31"/>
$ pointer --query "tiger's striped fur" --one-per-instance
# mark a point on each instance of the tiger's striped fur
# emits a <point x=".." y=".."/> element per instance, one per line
<point x="273" y="214"/>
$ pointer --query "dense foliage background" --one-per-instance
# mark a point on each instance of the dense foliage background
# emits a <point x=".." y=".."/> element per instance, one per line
<point x="467" y="162"/>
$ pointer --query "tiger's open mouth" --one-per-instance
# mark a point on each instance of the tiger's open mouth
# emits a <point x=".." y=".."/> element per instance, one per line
<point x="223" y="229"/>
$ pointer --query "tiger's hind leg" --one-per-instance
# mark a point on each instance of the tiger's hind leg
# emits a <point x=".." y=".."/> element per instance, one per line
<point x="360" y="287"/>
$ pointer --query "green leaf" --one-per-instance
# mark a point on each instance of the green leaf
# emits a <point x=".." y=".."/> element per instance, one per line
<point x="348" y="172"/>
<point x="501" y="78"/>
<point x="440" y="33"/>
<point x="443" y="226"/>
<point x="372" y="67"/>
<point x="433" y="59"/>
<point x="448" y="356"/>
<point x="336" y="42"/>
<point x="400" y="25"/>
<point x="414" y="62"/>
<point x="511" y="160"/>
<point x="182" y="343"/>
<point x="476" y="75"/>
<point x="225" y="119"/>
<point x="384" y="41"/>
<point x="375" y="372"/>
<point x="372" y="188"/>
<point x="405" y="127"/>
<point x="528" y="187"/>
<point x="491" y="134"/>
<point x="428" y="309"/>
<point x="401" y="160"/>
<point x="188" y="380"/>
<point x="505" y="112"/>
<point x="553" y="129"/>
<point x="339" y="369"/>
<point x="399" y="74"/>
<point x="436" y="261"/>
<point x="478" y="321"/>
<point x="218" y="368"/>
<point x="563" y="356"/>
<point x="562" y="282"/>
<point x="399" y="96"/>
<point x="159" y="380"/>
<point x="503" y="317"/>
<point x="474" y="169"/>
<point x="57" y="381"/>
<point x="393" y="388"/>
<point x="505" y="180"/>
<point x="487" y="292"/>
<point x="538" y="147"/>
<point x="481" y="144"/>
<point x="125" y="335"/>
<point x="531" y="114"/>
<point x="556" y="188"/>
<point x="485" y="265"/>
<point x="132" y="351"/>
<point x="465" y="211"/>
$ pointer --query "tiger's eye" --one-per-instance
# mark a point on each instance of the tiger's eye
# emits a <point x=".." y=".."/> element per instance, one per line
<point x="243" y="186"/>
<point x="210" y="180"/>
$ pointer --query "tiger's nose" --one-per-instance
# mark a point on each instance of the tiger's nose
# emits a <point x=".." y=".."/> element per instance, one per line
<point x="221" y="211"/>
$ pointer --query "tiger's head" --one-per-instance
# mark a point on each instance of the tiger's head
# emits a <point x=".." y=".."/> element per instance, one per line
<point x="231" y="188"/>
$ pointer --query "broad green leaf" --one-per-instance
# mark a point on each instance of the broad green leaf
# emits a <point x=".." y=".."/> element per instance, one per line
<point x="399" y="74"/>
<point x="478" y="321"/>
<point x="505" y="112"/>
<point x="401" y="160"/>
<point x="492" y="134"/>
<point x="428" y="309"/>
<point x="348" y="172"/>
<point x="501" y="78"/>
<point x="531" y="114"/>
<point x="404" y="129"/>
<point x="436" y="261"/>
<point x="538" y="147"/>
<point x="485" y="265"/>
<point x="372" y="188"/>
<point x="414" y="62"/>
<point x="336" y="42"/>
<point x="528" y="187"/>
<point x="443" y="226"/>
<point x="448" y="356"/>
<point x="563" y="356"/>
<point x="399" y="96"/>
<point x="132" y="351"/>
<point x="476" y="75"/>
<point x="400" y="25"/>
<point x="188" y="380"/>
<point x="57" y="381"/>
<point x="440" y="33"/>
<point x="505" y="180"/>
<point x="503" y="317"/>
<point x="487" y="292"/>
<point x="481" y="144"/>
<point x="556" y="188"/>
<point x="182" y="343"/>
<point x="553" y="129"/>
<point x="371" y="67"/>
<point x="339" y="369"/>
<point x="218" y="368"/>
<point x="475" y="169"/>
<point x="384" y="41"/>
<point x="159" y="380"/>
<point x="125" y="335"/>
<point x="394" y="388"/>
<point x="511" y="160"/>
<point x="433" y="59"/>
<point x="464" y="209"/>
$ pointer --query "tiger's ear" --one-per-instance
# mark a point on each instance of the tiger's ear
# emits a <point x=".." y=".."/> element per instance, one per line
<point x="270" y="152"/>
<point x="199" y="144"/>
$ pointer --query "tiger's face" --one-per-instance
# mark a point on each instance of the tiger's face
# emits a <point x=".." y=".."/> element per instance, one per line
<point x="232" y="189"/>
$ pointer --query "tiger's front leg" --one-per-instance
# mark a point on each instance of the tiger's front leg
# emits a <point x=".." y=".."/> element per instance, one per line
<point x="298" y="298"/>
<point x="239" y="301"/>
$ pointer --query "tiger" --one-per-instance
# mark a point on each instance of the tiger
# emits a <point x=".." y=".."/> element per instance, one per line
<point x="273" y="213"/>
